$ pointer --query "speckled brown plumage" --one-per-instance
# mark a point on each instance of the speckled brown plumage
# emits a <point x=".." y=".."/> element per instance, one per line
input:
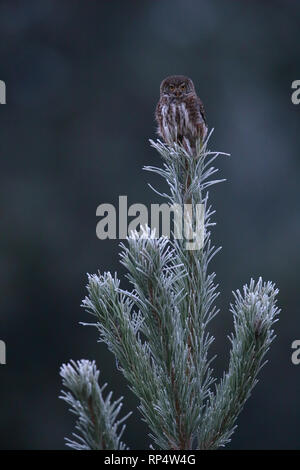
<point x="180" y="113"/>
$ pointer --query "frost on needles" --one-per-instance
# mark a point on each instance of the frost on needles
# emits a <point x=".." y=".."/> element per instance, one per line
<point x="158" y="331"/>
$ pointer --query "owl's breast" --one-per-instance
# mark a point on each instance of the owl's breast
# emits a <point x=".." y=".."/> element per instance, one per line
<point x="176" y="122"/>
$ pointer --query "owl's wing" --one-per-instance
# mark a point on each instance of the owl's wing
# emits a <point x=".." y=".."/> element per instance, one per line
<point x="201" y="109"/>
<point x="158" y="112"/>
<point x="158" y="118"/>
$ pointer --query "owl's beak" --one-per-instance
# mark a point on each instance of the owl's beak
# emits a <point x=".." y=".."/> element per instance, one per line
<point x="177" y="93"/>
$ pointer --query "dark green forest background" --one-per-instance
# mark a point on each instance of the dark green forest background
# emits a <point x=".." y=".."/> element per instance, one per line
<point x="82" y="84"/>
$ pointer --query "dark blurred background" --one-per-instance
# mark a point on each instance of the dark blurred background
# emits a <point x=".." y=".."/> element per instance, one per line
<point x="82" y="84"/>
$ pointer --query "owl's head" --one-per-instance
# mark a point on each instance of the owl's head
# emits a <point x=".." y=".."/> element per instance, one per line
<point x="176" y="86"/>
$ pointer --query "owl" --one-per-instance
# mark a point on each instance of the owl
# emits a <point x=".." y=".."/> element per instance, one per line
<point x="180" y="113"/>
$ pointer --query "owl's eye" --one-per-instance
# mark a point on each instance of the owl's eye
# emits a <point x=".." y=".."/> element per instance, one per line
<point x="171" y="88"/>
<point x="182" y="87"/>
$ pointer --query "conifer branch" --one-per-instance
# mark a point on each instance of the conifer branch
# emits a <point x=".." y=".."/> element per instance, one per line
<point x="158" y="331"/>
<point x="97" y="421"/>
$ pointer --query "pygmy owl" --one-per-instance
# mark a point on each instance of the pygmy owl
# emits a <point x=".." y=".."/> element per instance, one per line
<point x="180" y="113"/>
